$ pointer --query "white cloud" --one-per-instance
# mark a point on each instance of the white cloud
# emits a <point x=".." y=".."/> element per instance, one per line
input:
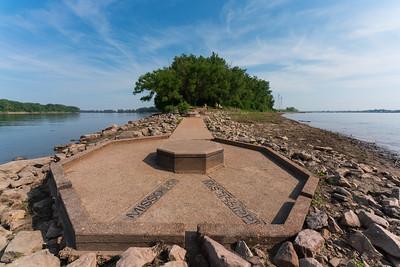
<point x="337" y="46"/>
<point x="326" y="57"/>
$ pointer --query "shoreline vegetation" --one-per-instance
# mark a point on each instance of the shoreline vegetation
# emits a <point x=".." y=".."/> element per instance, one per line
<point x="138" y="110"/>
<point x="198" y="81"/>
<point x="28" y="107"/>
<point x="9" y="107"/>
<point x="33" y="113"/>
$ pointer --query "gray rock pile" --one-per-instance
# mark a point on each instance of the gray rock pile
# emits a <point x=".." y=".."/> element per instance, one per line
<point x="160" y="124"/>
<point x="27" y="216"/>
<point x="30" y="233"/>
<point x="355" y="215"/>
<point x="354" y="219"/>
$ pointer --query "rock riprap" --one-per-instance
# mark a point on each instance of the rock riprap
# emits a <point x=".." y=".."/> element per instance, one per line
<point x="24" y="243"/>
<point x="309" y="242"/>
<point x="219" y="256"/>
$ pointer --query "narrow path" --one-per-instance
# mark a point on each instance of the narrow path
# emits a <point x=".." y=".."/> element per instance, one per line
<point x="191" y="128"/>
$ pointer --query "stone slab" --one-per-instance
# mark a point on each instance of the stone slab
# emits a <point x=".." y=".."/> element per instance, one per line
<point x="107" y="182"/>
<point x="190" y="156"/>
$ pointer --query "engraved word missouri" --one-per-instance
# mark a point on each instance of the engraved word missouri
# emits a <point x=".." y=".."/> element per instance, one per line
<point x="152" y="198"/>
<point x="233" y="203"/>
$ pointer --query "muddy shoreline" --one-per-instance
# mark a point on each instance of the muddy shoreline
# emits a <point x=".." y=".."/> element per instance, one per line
<point x="383" y="151"/>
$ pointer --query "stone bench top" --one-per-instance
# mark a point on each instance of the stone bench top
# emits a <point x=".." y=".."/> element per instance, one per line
<point x="190" y="148"/>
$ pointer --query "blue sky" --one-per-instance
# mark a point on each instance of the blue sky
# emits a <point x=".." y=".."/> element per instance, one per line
<point x="316" y="54"/>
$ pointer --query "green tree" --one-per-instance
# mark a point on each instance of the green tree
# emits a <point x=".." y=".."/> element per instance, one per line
<point x="192" y="80"/>
<point x="15" y="106"/>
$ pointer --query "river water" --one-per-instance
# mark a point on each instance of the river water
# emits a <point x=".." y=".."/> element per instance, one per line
<point x="381" y="128"/>
<point x="35" y="135"/>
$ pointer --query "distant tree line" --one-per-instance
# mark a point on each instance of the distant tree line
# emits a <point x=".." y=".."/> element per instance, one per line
<point x="289" y="109"/>
<point x="357" y="111"/>
<point x="138" y="110"/>
<point x="15" y="106"/>
<point x="197" y="80"/>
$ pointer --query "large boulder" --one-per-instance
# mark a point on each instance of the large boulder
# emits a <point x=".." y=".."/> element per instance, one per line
<point x="24" y="243"/>
<point x="86" y="260"/>
<point x="136" y="257"/>
<point x="177" y="253"/>
<point x="308" y="242"/>
<point x="388" y="242"/>
<point x="368" y="218"/>
<point x="394" y="261"/>
<point x="243" y="250"/>
<point x="390" y="202"/>
<point x="363" y="245"/>
<point x="175" y="264"/>
<point x="130" y="134"/>
<point x="317" y="220"/>
<point x="350" y="219"/>
<point x="366" y="168"/>
<point x="301" y="155"/>
<point x="3" y="242"/>
<point x="286" y="256"/>
<point x="24" y="180"/>
<point x="14" y="167"/>
<point x="396" y="193"/>
<point x="14" y="197"/>
<point x="4" y="236"/>
<point x="219" y="256"/>
<point x="4" y="183"/>
<point x="365" y="200"/>
<point x="310" y="262"/>
<point x="90" y="137"/>
<point x="333" y="226"/>
<point x="12" y="216"/>
<point x="39" y="259"/>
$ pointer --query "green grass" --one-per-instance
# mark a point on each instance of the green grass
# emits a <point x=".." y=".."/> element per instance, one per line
<point x="255" y="117"/>
<point x="358" y="263"/>
<point x="318" y="200"/>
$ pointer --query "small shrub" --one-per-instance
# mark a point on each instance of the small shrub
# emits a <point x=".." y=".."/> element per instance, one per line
<point x="170" y="109"/>
<point x="183" y="107"/>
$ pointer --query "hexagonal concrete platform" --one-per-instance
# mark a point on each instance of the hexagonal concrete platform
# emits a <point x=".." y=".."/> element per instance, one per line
<point x="190" y="156"/>
<point x="116" y="195"/>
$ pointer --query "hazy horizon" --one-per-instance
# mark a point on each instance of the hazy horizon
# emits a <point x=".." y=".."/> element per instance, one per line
<point x="318" y="55"/>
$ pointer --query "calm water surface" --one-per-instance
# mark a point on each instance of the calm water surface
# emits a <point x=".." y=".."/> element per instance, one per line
<point x="381" y="128"/>
<point x="35" y="135"/>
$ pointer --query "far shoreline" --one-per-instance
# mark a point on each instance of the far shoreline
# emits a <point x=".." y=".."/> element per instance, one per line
<point x="27" y="113"/>
<point x="390" y="153"/>
<point x="65" y="112"/>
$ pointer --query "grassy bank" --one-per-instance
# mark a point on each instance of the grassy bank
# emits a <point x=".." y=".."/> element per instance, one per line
<point x="255" y="117"/>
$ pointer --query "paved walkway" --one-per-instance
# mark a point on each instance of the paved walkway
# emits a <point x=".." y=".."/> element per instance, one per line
<point x="191" y="128"/>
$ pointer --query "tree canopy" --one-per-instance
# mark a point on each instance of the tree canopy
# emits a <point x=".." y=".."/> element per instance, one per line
<point x="15" y="106"/>
<point x="197" y="80"/>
